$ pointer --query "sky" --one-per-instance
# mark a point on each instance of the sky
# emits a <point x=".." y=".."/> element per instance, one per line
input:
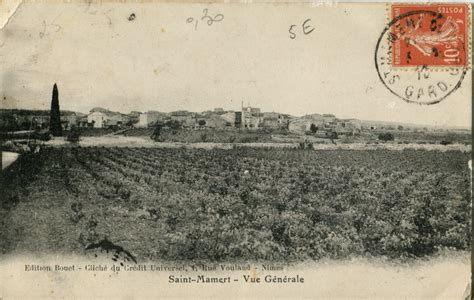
<point x="159" y="58"/>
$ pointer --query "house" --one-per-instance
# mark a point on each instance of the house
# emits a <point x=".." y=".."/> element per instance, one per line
<point x="353" y="125"/>
<point x="206" y="113"/>
<point x="251" y="117"/>
<point x="67" y="121"/>
<point x="149" y="118"/>
<point x="238" y="119"/>
<point x="103" y="118"/>
<point x="187" y="119"/>
<point x="325" y="124"/>
<point x="275" y="120"/>
<point x="270" y="122"/>
<point x="215" y="121"/>
<point x="97" y="119"/>
<point x="299" y="125"/>
<point x="82" y="122"/>
<point x="229" y="117"/>
<point x="329" y="118"/>
<point x="284" y="120"/>
<point x="132" y="118"/>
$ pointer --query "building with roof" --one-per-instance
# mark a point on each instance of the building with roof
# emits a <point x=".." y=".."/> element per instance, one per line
<point x="252" y="117"/>
<point x="103" y="118"/>
<point x="275" y="120"/>
<point x="149" y="118"/>
<point x="186" y="118"/>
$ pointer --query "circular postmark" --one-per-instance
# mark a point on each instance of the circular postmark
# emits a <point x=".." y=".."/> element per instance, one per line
<point x="419" y="82"/>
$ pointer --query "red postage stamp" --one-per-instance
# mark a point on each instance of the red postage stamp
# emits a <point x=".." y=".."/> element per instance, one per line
<point x="430" y="35"/>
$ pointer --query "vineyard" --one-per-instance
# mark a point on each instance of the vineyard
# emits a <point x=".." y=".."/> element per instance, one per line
<point x="237" y="204"/>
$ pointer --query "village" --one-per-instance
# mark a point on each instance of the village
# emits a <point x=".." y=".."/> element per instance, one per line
<point x="248" y="124"/>
<point x="251" y="118"/>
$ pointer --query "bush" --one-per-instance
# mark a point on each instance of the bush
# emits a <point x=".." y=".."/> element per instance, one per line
<point x="332" y="135"/>
<point x="173" y="124"/>
<point x="387" y="136"/>
<point x="445" y="143"/>
<point x="305" y="146"/>
<point x="156" y="133"/>
<point x="74" y="135"/>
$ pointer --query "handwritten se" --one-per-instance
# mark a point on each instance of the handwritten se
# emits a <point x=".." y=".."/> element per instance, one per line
<point x="306" y="29"/>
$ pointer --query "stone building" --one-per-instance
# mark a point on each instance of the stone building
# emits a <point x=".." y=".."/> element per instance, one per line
<point x="252" y="117"/>
<point x="149" y="118"/>
<point x="103" y="118"/>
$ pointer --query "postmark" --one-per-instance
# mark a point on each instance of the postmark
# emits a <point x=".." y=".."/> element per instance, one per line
<point x="421" y="56"/>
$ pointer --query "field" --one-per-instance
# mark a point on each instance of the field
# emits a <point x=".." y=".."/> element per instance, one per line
<point x="209" y="135"/>
<point x="237" y="204"/>
<point x="280" y="135"/>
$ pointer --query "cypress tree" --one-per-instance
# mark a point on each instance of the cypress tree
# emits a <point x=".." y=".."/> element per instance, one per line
<point x="55" y="117"/>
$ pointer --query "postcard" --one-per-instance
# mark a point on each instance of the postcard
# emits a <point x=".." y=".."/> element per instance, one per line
<point x="235" y="149"/>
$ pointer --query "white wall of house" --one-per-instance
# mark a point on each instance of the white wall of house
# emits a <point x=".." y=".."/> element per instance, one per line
<point x="142" y="121"/>
<point x="251" y="117"/>
<point x="98" y="118"/>
<point x="229" y="117"/>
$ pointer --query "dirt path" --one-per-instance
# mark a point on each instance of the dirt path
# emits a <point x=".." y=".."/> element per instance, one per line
<point x="117" y="132"/>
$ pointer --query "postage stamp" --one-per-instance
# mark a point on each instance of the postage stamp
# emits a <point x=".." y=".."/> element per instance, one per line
<point x="422" y="54"/>
<point x="430" y="35"/>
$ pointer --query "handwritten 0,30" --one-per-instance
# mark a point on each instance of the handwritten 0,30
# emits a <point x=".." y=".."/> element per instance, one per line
<point x="205" y="17"/>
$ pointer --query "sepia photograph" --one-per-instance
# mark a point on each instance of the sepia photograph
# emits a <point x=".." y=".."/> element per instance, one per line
<point x="235" y="149"/>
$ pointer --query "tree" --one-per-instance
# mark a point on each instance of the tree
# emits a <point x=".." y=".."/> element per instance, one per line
<point x="11" y="123"/>
<point x="74" y="135"/>
<point x="333" y="136"/>
<point x="156" y="133"/>
<point x="313" y="128"/>
<point x="445" y="142"/>
<point x="387" y="136"/>
<point x="26" y="125"/>
<point x="55" y="115"/>
<point x="305" y="145"/>
<point x="202" y="122"/>
<point x="173" y="124"/>
<point x="131" y="122"/>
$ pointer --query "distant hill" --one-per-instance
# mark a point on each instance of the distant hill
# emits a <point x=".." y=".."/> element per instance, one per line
<point x="405" y="125"/>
